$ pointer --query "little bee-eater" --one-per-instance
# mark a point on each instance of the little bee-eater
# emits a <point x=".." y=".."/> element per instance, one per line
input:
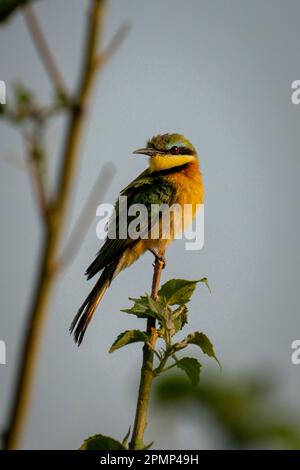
<point x="173" y="177"/>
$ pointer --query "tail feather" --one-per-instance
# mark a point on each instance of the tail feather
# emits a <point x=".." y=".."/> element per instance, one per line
<point x="84" y="315"/>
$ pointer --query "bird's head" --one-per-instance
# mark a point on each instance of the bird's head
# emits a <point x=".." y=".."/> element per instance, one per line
<point x="168" y="151"/>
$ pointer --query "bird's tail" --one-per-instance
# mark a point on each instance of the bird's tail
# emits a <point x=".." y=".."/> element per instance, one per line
<point x="84" y="315"/>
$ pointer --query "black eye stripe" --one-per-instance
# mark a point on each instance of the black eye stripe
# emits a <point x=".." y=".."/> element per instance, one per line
<point x="182" y="150"/>
<point x="185" y="151"/>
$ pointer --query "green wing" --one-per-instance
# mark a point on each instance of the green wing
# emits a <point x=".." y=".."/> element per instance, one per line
<point x="146" y="190"/>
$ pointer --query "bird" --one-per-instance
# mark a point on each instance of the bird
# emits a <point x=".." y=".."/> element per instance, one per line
<point x="173" y="176"/>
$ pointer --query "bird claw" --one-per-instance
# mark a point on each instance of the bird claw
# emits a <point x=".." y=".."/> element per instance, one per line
<point x="159" y="259"/>
<point x="162" y="260"/>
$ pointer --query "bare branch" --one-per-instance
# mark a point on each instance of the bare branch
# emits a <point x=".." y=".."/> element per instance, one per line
<point x="43" y="48"/>
<point x="46" y="276"/>
<point x="38" y="184"/>
<point x="114" y="45"/>
<point x="86" y="216"/>
<point x="36" y="113"/>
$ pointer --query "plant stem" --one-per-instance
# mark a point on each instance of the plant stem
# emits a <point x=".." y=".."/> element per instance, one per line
<point x="52" y="236"/>
<point x="163" y="362"/>
<point x="147" y="375"/>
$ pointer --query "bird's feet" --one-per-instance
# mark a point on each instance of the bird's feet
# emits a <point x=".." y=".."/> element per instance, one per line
<point x="159" y="258"/>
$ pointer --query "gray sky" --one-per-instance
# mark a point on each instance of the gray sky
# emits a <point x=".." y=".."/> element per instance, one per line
<point x="220" y="73"/>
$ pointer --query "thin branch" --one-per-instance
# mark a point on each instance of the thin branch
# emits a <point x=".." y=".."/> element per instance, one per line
<point x="166" y="369"/>
<point x="86" y="216"/>
<point x="161" y="367"/>
<point x="43" y="49"/>
<point x="38" y="183"/>
<point x="35" y="319"/>
<point x="113" y="46"/>
<point x="37" y="114"/>
<point x="147" y="373"/>
<point x="74" y="132"/>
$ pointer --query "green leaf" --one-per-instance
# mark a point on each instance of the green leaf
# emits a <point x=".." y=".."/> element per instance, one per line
<point x="101" y="442"/>
<point x="201" y="340"/>
<point x="157" y="308"/>
<point x="173" y="321"/>
<point x="140" y="308"/>
<point x="7" y="7"/>
<point x="191" y="367"/>
<point x="128" y="337"/>
<point x="205" y="281"/>
<point x="165" y="317"/>
<point x="23" y="95"/>
<point x="179" y="291"/>
<point x="24" y="101"/>
<point x="180" y="317"/>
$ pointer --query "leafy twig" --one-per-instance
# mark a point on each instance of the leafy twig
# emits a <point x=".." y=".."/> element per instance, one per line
<point x="147" y="375"/>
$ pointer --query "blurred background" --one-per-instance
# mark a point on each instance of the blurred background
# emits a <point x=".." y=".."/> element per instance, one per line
<point x="220" y="73"/>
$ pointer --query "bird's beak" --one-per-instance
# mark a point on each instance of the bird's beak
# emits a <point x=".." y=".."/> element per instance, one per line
<point x="146" y="151"/>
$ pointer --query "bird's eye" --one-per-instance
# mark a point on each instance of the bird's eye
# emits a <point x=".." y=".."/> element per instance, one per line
<point x="175" y="150"/>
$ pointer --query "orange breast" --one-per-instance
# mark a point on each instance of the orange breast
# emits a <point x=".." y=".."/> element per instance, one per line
<point x="189" y="184"/>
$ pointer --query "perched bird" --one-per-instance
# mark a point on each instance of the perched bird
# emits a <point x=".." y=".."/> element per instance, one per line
<point x="173" y="177"/>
